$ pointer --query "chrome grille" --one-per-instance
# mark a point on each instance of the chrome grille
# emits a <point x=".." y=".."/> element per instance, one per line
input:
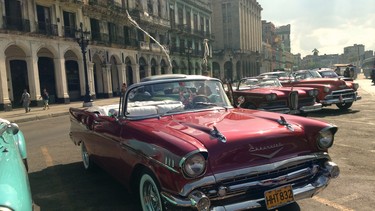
<point x="345" y="93"/>
<point x="250" y="186"/>
<point x="293" y="100"/>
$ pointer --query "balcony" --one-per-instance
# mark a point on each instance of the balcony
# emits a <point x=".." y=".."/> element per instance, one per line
<point x="144" y="46"/>
<point x="142" y="16"/>
<point x="17" y="24"/>
<point x="69" y="31"/>
<point x="47" y="29"/>
<point x="131" y="43"/>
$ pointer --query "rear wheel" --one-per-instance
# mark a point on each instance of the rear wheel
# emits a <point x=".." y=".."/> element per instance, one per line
<point x="149" y="192"/>
<point x="344" y="106"/>
<point x="87" y="162"/>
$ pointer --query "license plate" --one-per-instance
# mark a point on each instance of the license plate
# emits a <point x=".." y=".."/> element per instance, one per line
<point x="278" y="197"/>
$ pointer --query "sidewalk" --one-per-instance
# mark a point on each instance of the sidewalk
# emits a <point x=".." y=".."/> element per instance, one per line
<point x="18" y="115"/>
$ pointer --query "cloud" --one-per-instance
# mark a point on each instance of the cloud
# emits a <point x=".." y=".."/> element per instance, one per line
<point x="328" y="26"/>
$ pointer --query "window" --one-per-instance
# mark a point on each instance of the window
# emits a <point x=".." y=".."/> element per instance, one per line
<point x="44" y="19"/>
<point x="69" y="24"/>
<point x="150" y="7"/>
<point x="95" y="29"/>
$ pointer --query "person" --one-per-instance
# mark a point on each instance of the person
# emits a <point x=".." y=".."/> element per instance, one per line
<point x="337" y="70"/>
<point x="45" y="98"/>
<point x="373" y="75"/>
<point x="347" y="72"/>
<point x="25" y="100"/>
<point x="352" y="72"/>
<point x="123" y="88"/>
<point x="204" y="90"/>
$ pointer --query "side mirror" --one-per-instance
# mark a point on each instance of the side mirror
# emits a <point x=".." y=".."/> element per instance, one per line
<point x="11" y="128"/>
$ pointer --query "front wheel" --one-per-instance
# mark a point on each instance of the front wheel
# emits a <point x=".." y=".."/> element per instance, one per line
<point x="87" y="162"/>
<point x="149" y="192"/>
<point x="344" y="106"/>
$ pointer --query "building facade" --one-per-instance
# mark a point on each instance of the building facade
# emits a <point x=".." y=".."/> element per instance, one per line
<point x="238" y="38"/>
<point x="39" y="49"/>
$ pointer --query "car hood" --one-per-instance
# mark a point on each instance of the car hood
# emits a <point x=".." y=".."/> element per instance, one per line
<point x="251" y="137"/>
<point x="279" y="91"/>
<point x="335" y="82"/>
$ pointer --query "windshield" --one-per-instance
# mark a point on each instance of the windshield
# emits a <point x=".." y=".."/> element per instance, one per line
<point x="253" y="83"/>
<point x="307" y="74"/>
<point x="175" y="96"/>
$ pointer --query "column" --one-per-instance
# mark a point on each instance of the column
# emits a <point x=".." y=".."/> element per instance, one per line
<point x="121" y="73"/>
<point x="107" y="82"/>
<point x="136" y="77"/>
<point x="62" y="88"/>
<point x="90" y="76"/>
<point x="33" y="75"/>
<point x="5" y="103"/>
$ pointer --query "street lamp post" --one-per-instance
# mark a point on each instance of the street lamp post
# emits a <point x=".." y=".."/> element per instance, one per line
<point x="83" y="41"/>
<point x="189" y="51"/>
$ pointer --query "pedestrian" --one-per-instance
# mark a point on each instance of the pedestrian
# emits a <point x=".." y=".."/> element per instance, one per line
<point x="347" y="72"/>
<point x="338" y="71"/>
<point x="373" y="75"/>
<point x="123" y="88"/>
<point x="45" y="98"/>
<point x="25" y="100"/>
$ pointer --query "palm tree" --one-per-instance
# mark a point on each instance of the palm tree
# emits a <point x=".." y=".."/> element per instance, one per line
<point x="315" y="52"/>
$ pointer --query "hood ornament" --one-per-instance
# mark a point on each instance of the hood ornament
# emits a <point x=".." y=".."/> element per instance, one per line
<point x="216" y="133"/>
<point x="282" y="121"/>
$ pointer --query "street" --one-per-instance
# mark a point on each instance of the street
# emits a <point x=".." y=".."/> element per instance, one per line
<point x="59" y="182"/>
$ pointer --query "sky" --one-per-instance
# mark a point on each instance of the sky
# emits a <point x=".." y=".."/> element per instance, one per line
<point x="327" y="25"/>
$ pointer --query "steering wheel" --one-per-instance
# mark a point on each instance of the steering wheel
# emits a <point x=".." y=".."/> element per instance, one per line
<point x="200" y="98"/>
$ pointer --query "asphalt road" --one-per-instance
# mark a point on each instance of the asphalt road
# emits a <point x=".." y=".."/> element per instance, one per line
<point x="58" y="181"/>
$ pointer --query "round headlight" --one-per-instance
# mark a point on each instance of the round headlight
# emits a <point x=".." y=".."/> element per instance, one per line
<point x="310" y="92"/>
<point x="316" y="92"/>
<point x="194" y="165"/>
<point x="326" y="89"/>
<point x="325" y="139"/>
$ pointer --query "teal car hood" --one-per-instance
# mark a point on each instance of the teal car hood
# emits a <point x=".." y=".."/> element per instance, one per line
<point x="14" y="183"/>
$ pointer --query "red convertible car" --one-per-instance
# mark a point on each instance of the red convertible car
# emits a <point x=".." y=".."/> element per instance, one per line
<point x="331" y="90"/>
<point x="268" y="94"/>
<point x="177" y="143"/>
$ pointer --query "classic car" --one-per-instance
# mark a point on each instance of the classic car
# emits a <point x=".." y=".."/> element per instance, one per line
<point x="331" y="90"/>
<point x="176" y="142"/>
<point x="268" y="94"/>
<point x="330" y="73"/>
<point x="347" y="70"/>
<point x="15" y="193"/>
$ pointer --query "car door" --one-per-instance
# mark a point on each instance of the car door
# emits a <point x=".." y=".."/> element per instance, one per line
<point x="106" y="140"/>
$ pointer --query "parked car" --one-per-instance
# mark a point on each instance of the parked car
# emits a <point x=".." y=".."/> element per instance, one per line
<point x="15" y="193"/>
<point x="268" y="94"/>
<point x="182" y="145"/>
<point x="330" y="73"/>
<point x="331" y="90"/>
<point x="347" y="70"/>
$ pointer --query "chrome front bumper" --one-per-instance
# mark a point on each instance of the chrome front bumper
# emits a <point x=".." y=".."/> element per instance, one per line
<point x="335" y="99"/>
<point x="306" y="109"/>
<point x="300" y="191"/>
